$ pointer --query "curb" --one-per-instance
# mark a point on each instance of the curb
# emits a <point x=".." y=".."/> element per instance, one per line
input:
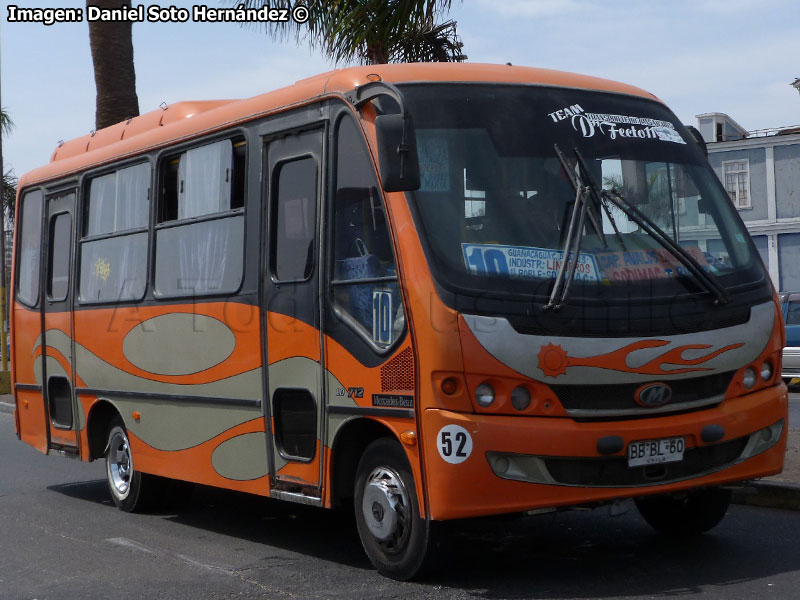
<point x="5" y="407"/>
<point x="769" y="494"/>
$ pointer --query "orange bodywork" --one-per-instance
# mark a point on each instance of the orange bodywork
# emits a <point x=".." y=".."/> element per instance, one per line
<point x="440" y="342"/>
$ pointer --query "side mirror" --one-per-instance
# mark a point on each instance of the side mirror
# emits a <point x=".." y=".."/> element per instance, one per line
<point x="397" y="153"/>
<point x="698" y="137"/>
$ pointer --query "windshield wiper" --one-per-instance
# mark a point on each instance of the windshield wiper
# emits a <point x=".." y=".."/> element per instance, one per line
<point x="705" y="278"/>
<point x="572" y="243"/>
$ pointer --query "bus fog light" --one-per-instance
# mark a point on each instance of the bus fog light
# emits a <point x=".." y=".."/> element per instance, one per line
<point x="766" y="370"/>
<point x="749" y="378"/>
<point x="484" y="394"/>
<point x="520" y="398"/>
<point x="501" y="465"/>
<point x="762" y="440"/>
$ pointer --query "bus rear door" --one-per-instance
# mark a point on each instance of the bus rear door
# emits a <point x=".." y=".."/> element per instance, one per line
<point x="57" y="356"/>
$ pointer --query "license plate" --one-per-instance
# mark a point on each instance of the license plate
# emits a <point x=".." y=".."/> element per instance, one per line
<point x="653" y="452"/>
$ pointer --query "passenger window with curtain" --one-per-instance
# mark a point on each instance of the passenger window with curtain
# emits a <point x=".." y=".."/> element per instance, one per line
<point x="294" y="219"/>
<point x="114" y="246"/>
<point x="200" y="230"/>
<point x="29" y="248"/>
<point x="364" y="272"/>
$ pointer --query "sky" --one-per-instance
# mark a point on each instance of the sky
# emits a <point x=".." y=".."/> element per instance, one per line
<point x="733" y="56"/>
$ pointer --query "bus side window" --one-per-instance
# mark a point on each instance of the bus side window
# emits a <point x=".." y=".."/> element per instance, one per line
<point x="200" y="229"/>
<point x="362" y="247"/>
<point x="29" y="249"/>
<point x="114" y="267"/>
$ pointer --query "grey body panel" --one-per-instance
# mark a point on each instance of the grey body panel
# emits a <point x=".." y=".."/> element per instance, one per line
<point x="519" y="351"/>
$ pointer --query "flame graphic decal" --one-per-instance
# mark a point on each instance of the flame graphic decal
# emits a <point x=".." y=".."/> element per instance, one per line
<point x="554" y="361"/>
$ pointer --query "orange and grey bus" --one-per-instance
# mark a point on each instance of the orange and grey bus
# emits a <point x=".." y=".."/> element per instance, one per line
<point x="430" y="291"/>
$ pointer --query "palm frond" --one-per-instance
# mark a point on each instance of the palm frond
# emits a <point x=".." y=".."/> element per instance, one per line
<point x="6" y="124"/>
<point x="370" y="30"/>
<point x="429" y="43"/>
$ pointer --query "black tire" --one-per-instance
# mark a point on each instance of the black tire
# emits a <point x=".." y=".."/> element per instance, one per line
<point x="404" y="546"/>
<point x="687" y="515"/>
<point x="131" y="490"/>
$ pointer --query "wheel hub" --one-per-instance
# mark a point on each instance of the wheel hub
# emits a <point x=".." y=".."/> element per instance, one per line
<point x="119" y="464"/>
<point x="385" y="505"/>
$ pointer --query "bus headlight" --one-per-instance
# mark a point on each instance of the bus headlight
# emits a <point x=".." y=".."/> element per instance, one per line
<point x="520" y="398"/>
<point x="749" y="378"/>
<point x="766" y="370"/>
<point x="484" y="395"/>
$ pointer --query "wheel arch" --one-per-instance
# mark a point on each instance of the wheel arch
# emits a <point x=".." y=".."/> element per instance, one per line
<point x="97" y="424"/>
<point x="351" y="440"/>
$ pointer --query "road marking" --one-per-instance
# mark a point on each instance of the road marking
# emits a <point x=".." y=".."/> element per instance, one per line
<point x="128" y="543"/>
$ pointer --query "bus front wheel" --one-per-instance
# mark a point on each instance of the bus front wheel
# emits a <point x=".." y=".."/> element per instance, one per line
<point x="689" y="514"/>
<point x="131" y="490"/>
<point x="396" y="539"/>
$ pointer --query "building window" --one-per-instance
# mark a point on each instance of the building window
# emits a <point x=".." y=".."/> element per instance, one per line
<point x="736" y="175"/>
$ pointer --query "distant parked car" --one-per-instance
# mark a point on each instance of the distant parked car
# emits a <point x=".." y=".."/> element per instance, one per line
<point x="790" y="304"/>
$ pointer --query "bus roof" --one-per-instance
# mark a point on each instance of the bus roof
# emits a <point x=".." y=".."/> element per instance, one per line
<point x="185" y="120"/>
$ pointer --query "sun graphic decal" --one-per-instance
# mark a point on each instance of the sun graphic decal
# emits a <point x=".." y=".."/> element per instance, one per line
<point x="552" y="360"/>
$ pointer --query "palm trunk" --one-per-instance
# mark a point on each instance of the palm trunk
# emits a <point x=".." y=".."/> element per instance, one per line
<point x="114" y="73"/>
<point x="376" y="53"/>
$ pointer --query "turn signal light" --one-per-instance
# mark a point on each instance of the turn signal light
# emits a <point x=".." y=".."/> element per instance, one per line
<point x="409" y="438"/>
<point x="450" y="386"/>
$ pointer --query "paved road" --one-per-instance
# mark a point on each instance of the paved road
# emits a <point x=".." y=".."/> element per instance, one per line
<point x="60" y="538"/>
<point x="794" y="409"/>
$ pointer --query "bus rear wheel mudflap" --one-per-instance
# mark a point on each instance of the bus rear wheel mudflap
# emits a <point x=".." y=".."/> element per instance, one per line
<point x="687" y="514"/>
<point x="131" y="490"/>
<point x="398" y="542"/>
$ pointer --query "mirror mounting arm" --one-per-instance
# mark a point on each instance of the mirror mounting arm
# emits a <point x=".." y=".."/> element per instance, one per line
<point x="399" y="162"/>
<point x="369" y="91"/>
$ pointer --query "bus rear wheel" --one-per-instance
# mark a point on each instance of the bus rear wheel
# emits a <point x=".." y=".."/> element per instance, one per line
<point x="686" y="515"/>
<point x="131" y="490"/>
<point x="396" y="539"/>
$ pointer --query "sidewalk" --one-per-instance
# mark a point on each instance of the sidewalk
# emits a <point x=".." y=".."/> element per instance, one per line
<point x="778" y="491"/>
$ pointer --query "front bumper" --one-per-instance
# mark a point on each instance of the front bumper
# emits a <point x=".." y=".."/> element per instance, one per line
<point x="473" y="488"/>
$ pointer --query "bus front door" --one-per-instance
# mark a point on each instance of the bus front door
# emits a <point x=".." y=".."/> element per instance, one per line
<point x="293" y="176"/>
<point x="56" y="340"/>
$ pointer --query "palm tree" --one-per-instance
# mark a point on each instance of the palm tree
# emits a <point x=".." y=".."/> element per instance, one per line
<point x="9" y="183"/>
<point x="373" y="31"/>
<point x="114" y="74"/>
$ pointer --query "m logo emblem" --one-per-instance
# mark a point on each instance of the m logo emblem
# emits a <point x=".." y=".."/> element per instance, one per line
<point x="653" y="395"/>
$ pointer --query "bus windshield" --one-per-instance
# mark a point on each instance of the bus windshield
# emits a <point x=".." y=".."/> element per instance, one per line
<point x="495" y="199"/>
